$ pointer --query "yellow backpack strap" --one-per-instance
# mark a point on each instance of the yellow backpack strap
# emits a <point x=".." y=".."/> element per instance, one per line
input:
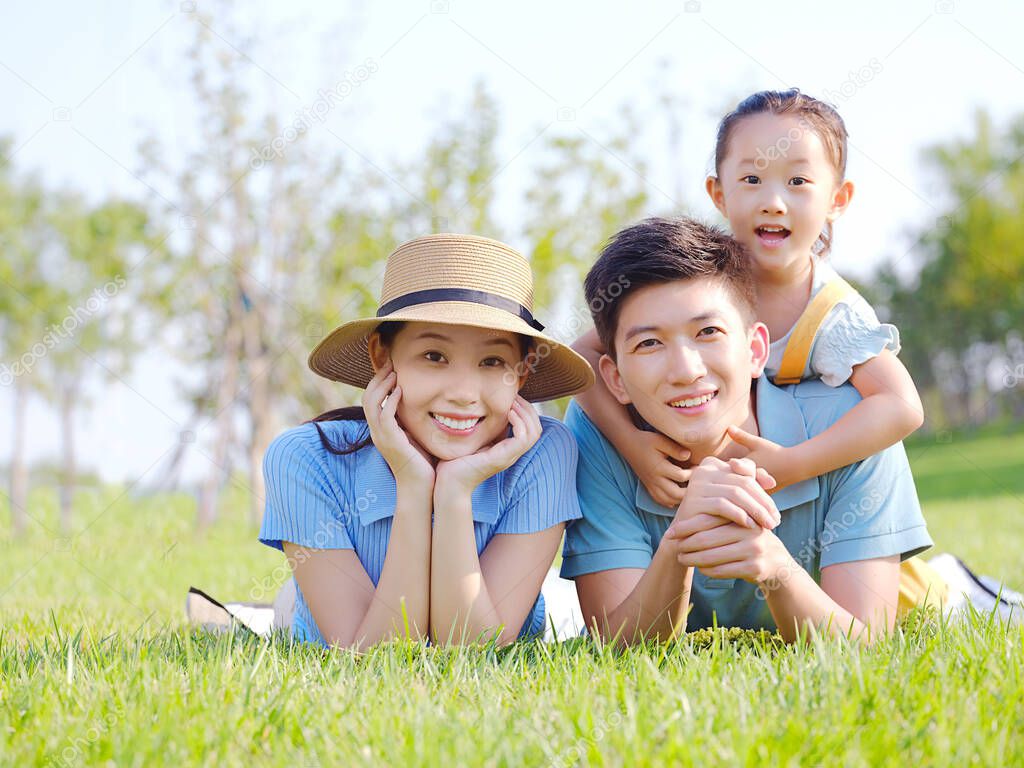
<point x="794" y="358"/>
<point x="920" y="585"/>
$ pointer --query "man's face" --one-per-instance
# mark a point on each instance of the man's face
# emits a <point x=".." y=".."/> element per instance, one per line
<point x="685" y="358"/>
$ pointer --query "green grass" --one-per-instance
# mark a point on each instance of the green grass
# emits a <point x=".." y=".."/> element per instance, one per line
<point x="972" y="492"/>
<point x="96" y="665"/>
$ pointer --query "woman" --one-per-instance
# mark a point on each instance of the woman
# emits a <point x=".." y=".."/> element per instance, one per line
<point x="436" y="509"/>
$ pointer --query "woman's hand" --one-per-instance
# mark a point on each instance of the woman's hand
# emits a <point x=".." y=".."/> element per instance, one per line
<point x="408" y="461"/>
<point x="467" y="472"/>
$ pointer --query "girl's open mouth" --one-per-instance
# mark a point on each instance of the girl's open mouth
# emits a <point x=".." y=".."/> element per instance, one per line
<point x="771" y="236"/>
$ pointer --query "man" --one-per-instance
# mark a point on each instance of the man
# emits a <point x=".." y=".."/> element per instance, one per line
<point x="673" y="305"/>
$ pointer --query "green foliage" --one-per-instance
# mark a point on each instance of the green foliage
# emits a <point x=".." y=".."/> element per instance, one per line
<point x="963" y="304"/>
<point x="582" y="193"/>
<point x="455" y="178"/>
<point x="26" y="292"/>
<point x="64" y="262"/>
<point x="246" y="265"/>
<point x="93" y="249"/>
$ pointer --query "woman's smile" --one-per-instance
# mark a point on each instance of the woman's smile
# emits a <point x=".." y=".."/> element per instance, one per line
<point x="455" y="425"/>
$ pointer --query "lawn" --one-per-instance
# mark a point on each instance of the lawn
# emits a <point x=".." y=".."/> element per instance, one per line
<point x="97" y="666"/>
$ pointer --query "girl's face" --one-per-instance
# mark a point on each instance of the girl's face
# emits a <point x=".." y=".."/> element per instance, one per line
<point x="458" y="384"/>
<point x="778" y="188"/>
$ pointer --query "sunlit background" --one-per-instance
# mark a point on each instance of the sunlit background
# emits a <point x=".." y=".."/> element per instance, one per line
<point x="194" y="193"/>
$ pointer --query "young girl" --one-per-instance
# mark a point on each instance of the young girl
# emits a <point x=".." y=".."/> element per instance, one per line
<point x="780" y="164"/>
<point x="436" y="509"/>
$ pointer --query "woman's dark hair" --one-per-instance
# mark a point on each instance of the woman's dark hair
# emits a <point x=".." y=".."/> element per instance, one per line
<point x="816" y="115"/>
<point x="387" y="330"/>
<point x="657" y="251"/>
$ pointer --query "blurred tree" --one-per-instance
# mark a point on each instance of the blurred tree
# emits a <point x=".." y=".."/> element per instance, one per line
<point x="454" y="182"/>
<point x="87" y="261"/>
<point x="964" y="304"/>
<point x="581" y="193"/>
<point x="23" y="291"/>
<point x="277" y="243"/>
<point x="234" y="289"/>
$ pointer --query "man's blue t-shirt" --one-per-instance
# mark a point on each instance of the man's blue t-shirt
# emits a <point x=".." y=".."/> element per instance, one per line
<point x="862" y="511"/>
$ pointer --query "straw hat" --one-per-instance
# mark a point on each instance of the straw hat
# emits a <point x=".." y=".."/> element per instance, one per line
<point x="456" y="280"/>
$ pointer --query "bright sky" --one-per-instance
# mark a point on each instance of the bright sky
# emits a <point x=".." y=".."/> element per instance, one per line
<point x="83" y="83"/>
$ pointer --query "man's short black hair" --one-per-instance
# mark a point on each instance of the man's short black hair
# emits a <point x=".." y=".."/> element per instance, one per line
<point x="660" y="250"/>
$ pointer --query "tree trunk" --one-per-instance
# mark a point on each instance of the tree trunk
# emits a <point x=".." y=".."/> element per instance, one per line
<point x="260" y="436"/>
<point x="253" y="318"/>
<point x="260" y="418"/>
<point x="1017" y="403"/>
<point x="227" y="391"/>
<point x="18" y="470"/>
<point x="67" y="486"/>
<point x="963" y="390"/>
<point x="945" y="416"/>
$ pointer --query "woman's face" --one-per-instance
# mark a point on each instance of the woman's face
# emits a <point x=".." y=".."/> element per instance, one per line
<point x="458" y="384"/>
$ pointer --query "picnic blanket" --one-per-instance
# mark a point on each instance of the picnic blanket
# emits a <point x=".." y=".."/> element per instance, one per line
<point x="564" y="619"/>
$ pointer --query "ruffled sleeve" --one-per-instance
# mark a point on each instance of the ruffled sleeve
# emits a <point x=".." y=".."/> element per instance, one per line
<point x="850" y="336"/>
